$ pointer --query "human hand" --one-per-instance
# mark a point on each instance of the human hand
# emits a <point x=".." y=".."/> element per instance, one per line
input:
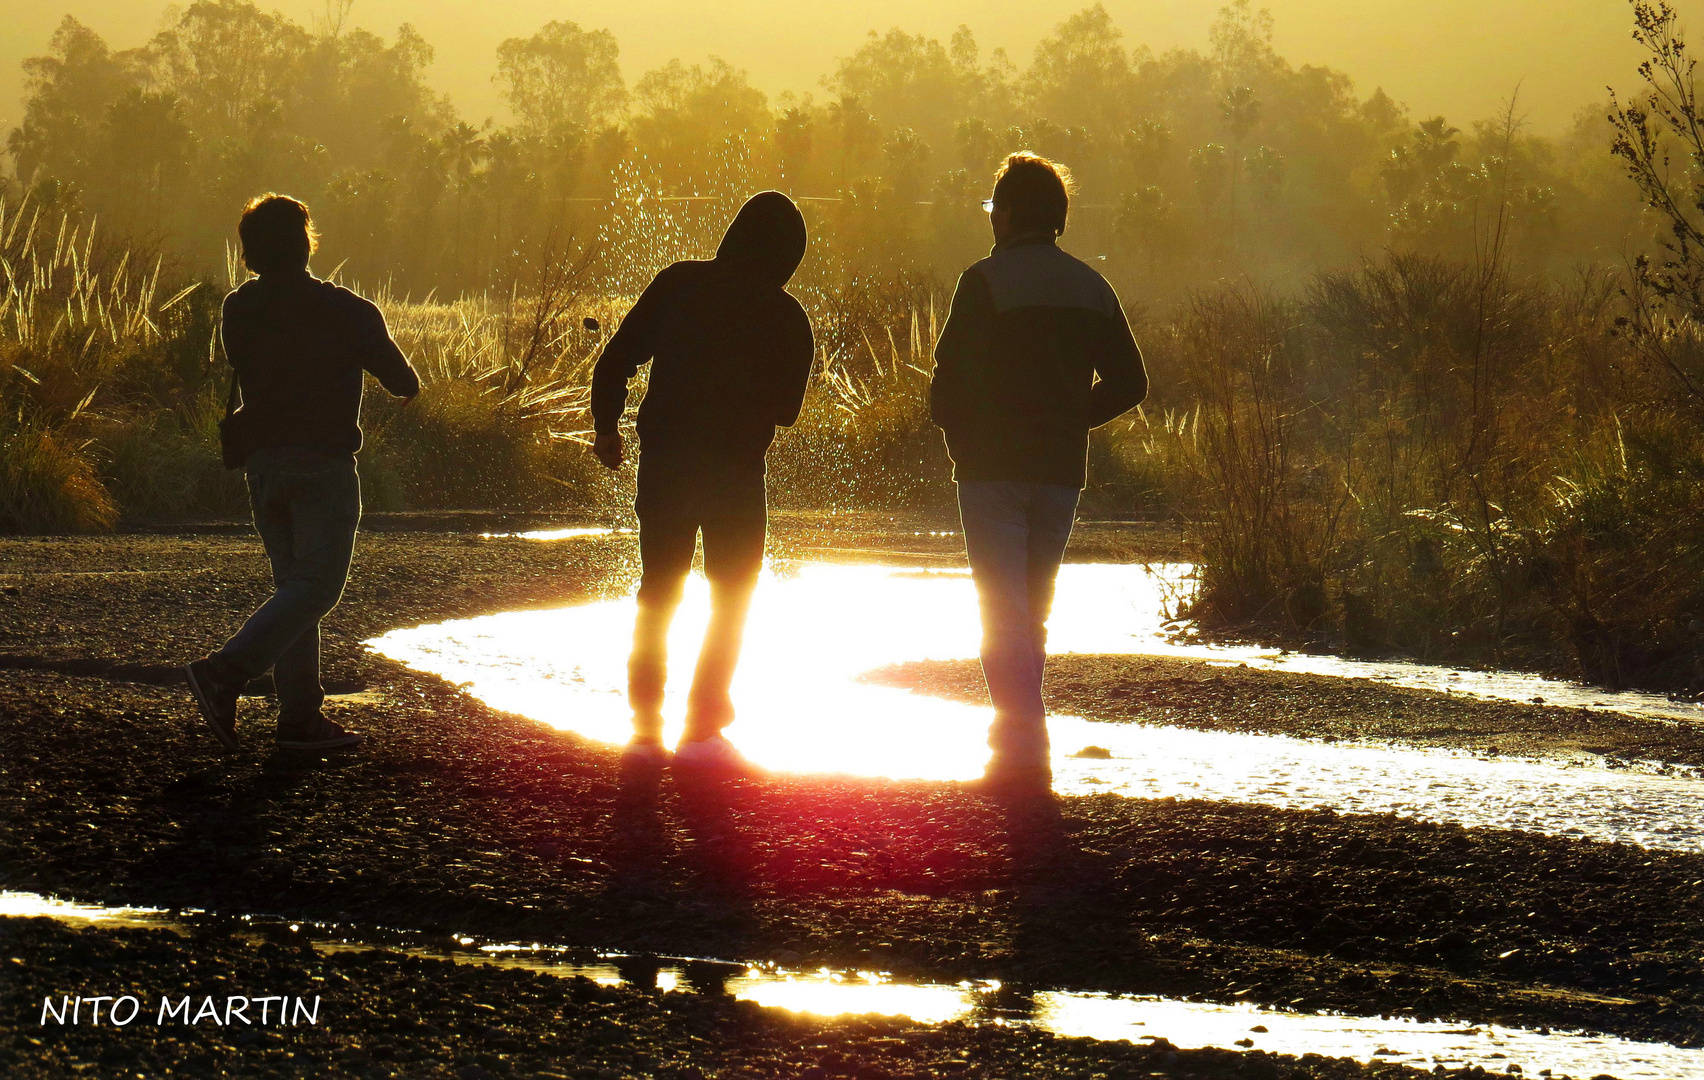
<point x="609" y="449"/>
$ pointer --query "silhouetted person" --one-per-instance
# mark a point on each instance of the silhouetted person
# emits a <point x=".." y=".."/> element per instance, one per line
<point x="730" y="353"/>
<point x="1036" y="352"/>
<point x="299" y="346"/>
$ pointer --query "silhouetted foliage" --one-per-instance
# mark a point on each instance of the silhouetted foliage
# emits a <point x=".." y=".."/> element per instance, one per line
<point x="1255" y="167"/>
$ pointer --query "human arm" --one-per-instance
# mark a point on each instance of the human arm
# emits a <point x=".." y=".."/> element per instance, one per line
<point x="1122" y="378"/>
<point x="631" y="346"/>
<point x="379" y="353"/>
<point x="961" y="349"/>
<point x="232" y="329"/>
<point x="798" y="351"/>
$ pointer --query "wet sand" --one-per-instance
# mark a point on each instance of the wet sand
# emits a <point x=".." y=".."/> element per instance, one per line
<point x="456" y="818"/>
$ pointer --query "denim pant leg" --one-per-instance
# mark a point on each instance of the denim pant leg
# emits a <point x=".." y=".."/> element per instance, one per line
<point x="996" y="540"/>
<point x="1052" y="513"/>
<point x="307" y="508"/>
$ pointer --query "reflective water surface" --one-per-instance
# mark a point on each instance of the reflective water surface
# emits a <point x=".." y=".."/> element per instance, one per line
<point x="1100" y="1016"/>
<point x="28" y="905"/>
<point x="815" y="627"/>
<point x="572" y="532"/>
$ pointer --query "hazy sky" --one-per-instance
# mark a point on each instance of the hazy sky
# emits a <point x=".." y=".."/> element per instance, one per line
<point x="1456" y="57"/>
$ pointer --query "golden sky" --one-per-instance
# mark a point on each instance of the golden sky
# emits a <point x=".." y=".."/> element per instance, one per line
<point x="1460" y="58"/>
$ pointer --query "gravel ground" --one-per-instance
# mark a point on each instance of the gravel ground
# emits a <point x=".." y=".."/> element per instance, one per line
<point x="458" y="819"/>
<point x="1194" y="694"/>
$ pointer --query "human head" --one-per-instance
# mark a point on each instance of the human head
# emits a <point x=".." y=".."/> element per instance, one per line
<point x="1031" y="194"/>
<point x="277" y="234"/>
<point x="766" y="238"/>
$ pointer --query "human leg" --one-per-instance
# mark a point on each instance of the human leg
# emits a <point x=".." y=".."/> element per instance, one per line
<point x="668" y="529"/>
<point x="735" y="523"/>
<point x="324" y="521"/>
<point x="307" y="508"/>
<point x="996" y="536"/>
<point x="1052" y="512"/>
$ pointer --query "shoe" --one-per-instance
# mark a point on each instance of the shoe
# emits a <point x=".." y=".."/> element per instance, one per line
<point x="712" y="756"/>
<point x="217" y="699"/>
<point x="316" y="733"/>
<point x="645" y="754"/>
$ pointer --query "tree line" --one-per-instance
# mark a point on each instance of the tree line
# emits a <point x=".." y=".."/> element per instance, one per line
<point x="1192" y="164"/>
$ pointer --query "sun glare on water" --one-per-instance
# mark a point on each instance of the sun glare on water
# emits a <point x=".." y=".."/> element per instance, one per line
<point x="812" y="632"/>
<point x="815" y="628"/>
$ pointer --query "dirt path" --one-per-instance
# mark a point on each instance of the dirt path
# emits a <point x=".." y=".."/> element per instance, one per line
<point x="457" y="818"/>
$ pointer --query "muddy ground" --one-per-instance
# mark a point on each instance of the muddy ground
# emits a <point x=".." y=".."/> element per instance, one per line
<point x="458" y="819"/>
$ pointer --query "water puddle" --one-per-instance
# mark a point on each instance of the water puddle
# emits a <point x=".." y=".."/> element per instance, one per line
<point x="573" y="532"/>
<point x="1183" y="1024"/>
<point x="24" y="905"/>
<point x="817" y="626"/>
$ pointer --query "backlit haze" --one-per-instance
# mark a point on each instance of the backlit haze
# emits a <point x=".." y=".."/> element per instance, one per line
<point x="1457" y="58"/>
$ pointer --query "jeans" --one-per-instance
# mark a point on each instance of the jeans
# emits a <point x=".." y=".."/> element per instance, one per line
<point x="1015" y="535"/>
<point x="306" y="508"/>
<point x="676" y="501"/>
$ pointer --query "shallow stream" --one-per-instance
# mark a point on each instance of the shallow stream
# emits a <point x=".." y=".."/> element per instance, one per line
<point x="817" y="626"/>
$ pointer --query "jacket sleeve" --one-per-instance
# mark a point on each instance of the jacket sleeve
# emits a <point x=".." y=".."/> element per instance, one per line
<point x="231" y="328"/>
<point x="379" y="352"/>
<point x="799" y="351"/>
<point x="632" y="345"/>
<point x="1122" y="382"/>
<point x="961" y="351"/>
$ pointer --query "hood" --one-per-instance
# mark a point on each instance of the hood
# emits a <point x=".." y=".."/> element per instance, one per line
<point x="766" y="238"/>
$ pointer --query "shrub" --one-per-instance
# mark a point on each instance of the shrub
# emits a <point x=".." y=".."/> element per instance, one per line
<point x="48" y="483"/>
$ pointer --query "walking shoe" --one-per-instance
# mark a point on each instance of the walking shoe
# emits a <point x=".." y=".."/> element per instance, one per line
<point x="217" y="699"/>
<point x="712" y="756"/>
<point x="644" y="754"/>
<point x="316" y="733"/>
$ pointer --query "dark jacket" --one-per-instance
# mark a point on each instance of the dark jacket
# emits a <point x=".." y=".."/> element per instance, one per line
<point x="730" y="349"/>
<point x="1035" y="352"/>
<point x="299" y="345"/>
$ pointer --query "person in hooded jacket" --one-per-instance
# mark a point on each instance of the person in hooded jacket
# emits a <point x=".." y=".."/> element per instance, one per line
<point x="730" y="352"/>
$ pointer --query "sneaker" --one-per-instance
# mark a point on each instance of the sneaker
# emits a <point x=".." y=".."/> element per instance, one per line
<point x="217" y="699"/>
<point x="715" y="755"/>
<point x="645" y="754"/>
<point x="316" y="733"/>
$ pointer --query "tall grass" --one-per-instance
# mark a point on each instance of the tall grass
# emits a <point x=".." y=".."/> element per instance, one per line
<point x="864" y="438"/>
<point x="502" y="419"/>
<point x="102" y="382"/>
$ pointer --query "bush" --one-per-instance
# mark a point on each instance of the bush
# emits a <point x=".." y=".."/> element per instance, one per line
<point x="48" y="483"/>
